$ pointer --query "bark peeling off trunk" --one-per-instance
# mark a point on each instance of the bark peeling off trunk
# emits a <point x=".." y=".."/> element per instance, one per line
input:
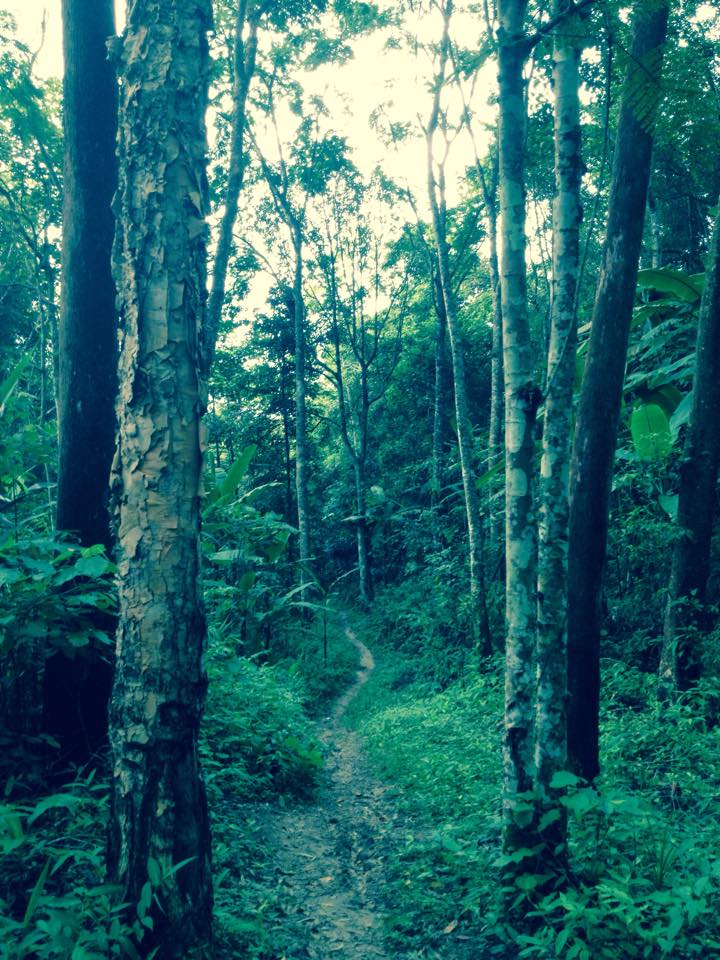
<point x="159" y="808"/>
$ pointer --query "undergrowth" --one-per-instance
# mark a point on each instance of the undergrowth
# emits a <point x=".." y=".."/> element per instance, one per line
<point x="645" y="870"/>
<point x="258" y="747"/>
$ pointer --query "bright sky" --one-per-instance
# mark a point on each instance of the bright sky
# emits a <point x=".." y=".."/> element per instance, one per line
<point x="353" y="91"/>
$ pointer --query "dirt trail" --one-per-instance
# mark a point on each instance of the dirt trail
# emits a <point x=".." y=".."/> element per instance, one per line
<point x="330" y="855"/>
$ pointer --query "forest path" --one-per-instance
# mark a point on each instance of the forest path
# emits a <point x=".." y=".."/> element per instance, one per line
<point x="330" y="854"/>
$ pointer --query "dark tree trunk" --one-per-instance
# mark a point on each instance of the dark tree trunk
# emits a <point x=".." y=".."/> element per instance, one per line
<point x="599" y="406"/>
<point x="159" y="829"/>
<point x="76" y="691"/>
<point x="686" y="617"/>
<point x="88" y="319"/>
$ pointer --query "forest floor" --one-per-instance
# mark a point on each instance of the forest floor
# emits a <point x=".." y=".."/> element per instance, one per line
<point x="330" y="854"/>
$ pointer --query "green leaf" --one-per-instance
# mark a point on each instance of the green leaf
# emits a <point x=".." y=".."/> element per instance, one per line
<point x="669" y="503"/>
<point x="237" y="471"/>
<point x="36" y="893"/>
<point x="247" y="580"/>
<point x="666" y="396"/>
<point x="681" y="415"/>
<point x="563" y="779"/>
<point x="154" y="872"/>
<point x="673" y="282"/>
<point x="650" y="429"/>
<point x="11" y="380"/>
<point x="93" y="566"/>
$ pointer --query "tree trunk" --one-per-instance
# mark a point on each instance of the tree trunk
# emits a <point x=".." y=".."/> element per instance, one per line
<point x="439" y="401"/>
<point x="159" y="822"/>
<point x="363" y="535"/>
<point x="497" y="377"/>
<point x="244" y="68"/>
<point x="521" y="401"/>
<point x="76" y="691"/>
<point x="599" y="406"/>
<point x="685" y="615"/>
<point x="301" y="444"/>
<point x="551" y="646"/>
<point x="482" y="640"/>
<point x="87" y="346"/>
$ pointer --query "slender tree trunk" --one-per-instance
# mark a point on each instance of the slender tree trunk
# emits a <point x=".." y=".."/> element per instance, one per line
<point x="599" y="406"/>
<point x="482" y="640"/>
<point x="301" y="443"/>
<point x="159" y="821"/>
<point x="550" y="726"/>
<point x="363" y="538"/>
<point x="284" y="399"/>
<point x="76" y="691"/>
<point x="685" y="615"/>
<point x="497" y="377"/>
<point x="521" y="401"/>
<point x="244" y="67"/>
<point x="439" y="401"/>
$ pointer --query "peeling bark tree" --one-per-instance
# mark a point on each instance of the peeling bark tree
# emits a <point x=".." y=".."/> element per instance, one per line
<point x="685" y="616"/>
<point x="76" y="691"/>
<point x="599" y="406"/>
<point x="550" y="726"/>
<point x="436" y="195"/>
<point x="159" y="810"/>
<point x="521" y="401"/>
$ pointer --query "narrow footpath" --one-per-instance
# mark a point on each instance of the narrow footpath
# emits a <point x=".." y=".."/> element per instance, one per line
<point x="331" y="854"/>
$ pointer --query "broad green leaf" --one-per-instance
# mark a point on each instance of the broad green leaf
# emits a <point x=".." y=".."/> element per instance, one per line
<point x="676" y="283"/>
<point x="93" y="566"/>
<point x="246" y="580"/>
<point x="563" y="779"/>
<point x="650" y="429"/>
<point x="669" y="503"/>
<point x="237" y="471"/>
<point x="666" y="396"/>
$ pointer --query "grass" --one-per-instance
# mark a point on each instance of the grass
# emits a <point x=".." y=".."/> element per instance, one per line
<point x="645" y="862"/>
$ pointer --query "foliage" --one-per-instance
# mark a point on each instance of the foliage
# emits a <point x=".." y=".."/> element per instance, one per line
<point x="643" y="875"/>
<point x="257" y="740"/>
<point x="54" y="901"/>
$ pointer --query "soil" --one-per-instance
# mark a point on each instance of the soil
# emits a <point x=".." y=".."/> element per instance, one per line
<point x="330" y="855"/>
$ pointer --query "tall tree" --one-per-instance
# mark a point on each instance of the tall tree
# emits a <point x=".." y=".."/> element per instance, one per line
<point x="245" y="44"/>
<point x="159" y="826"/>
<point x="599" y="406"/>
<point x="686" y="615"/>
<point x="76" y="690"/>
<point x="365" y="336"/>
<point x="88" y="318"/>
<point x="522" y="397"/>
<point x="550" y="729"/>
<point x="438" y="212"/>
